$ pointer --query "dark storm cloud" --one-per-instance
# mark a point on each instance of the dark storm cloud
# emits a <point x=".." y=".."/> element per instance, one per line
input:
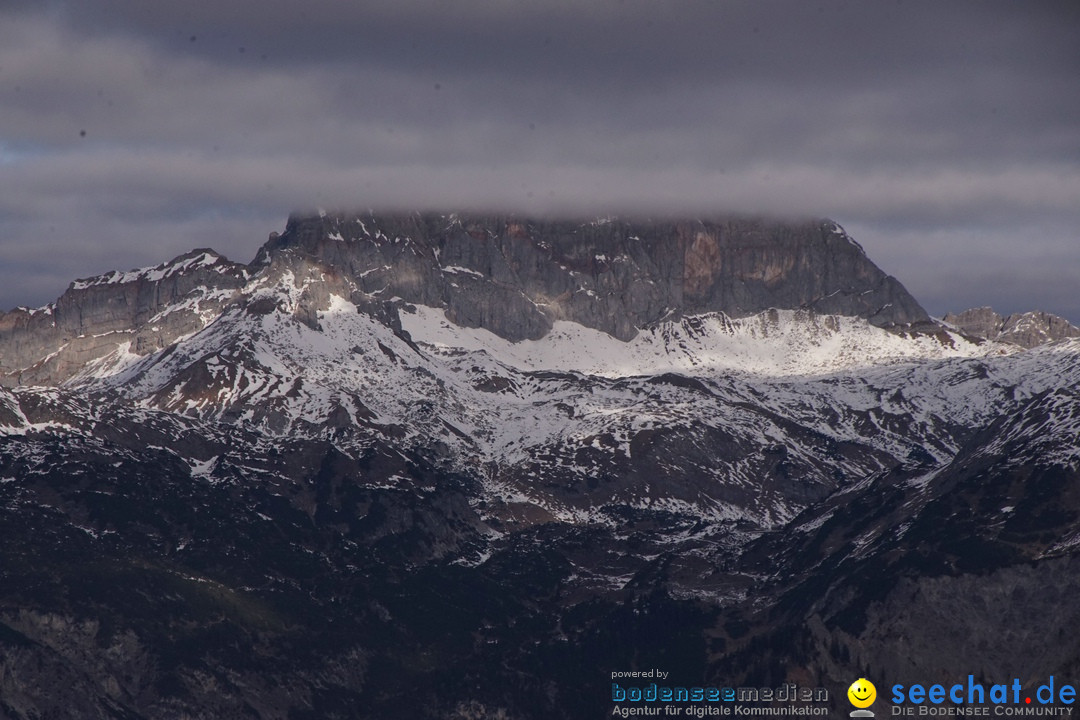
<point x="943" y="134"/>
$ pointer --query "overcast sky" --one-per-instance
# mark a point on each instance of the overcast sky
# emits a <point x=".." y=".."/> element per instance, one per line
<point x="945" y="136"/>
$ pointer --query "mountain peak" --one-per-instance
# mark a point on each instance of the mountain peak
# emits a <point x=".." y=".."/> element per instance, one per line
<point x="138" y="311"/>
<point x="516" y="275"/>
<point x="1027" y="329"/>
<point x="197" y="258"/>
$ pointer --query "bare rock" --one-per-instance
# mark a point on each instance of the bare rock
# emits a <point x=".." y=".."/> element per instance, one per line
<point x="1027" y="330"/>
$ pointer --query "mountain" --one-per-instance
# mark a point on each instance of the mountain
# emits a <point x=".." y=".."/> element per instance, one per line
<point x="452" y="466"/>
<point x="514" y="277"/>
<point x="1024" y="329"/>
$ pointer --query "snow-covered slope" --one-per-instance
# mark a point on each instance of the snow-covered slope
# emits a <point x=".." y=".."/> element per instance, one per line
<point x="770" y="344"/>
<point x="749" y="418"/>
<point x="724" y="418"/>
<point x="361" y="428"/>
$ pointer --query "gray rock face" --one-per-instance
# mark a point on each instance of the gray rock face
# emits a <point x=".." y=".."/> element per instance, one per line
<point x="516" y="276"/>
<point x="1024" y="329"/>
<point x="978" y="322"/>
<point x="147" y="308"/>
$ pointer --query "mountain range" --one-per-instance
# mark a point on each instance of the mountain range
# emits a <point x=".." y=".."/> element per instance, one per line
<point x="429" y="465"/>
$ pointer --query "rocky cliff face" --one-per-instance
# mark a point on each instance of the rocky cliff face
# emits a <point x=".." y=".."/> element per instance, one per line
<point x="141" y="310"/>
<point x="1024" y="329"/>
<point x="516" y="276"/>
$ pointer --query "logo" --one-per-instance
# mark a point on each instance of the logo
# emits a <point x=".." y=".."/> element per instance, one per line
<point x="974" y="698"/>
<point x="862" y="694"/>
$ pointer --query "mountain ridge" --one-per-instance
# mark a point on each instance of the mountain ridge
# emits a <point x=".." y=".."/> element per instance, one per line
<point x="309" y="488"/>
<point x="636" y="272"/>
<point x="1027" y="329"/>
<point x="510" y="275"/>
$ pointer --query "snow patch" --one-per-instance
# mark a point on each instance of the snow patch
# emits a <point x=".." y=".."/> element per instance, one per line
<point x="150" y="274"/>
<point x="776" y="344"/>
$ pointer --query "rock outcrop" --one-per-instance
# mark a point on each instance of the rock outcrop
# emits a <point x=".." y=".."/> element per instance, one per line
<point x="1024" y="329"/>
<point x="516" y="276"/>
<point x="148" y="309"/>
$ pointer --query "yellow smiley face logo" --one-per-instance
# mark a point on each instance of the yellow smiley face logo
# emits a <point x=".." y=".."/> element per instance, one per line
<point x="862" y="693"/>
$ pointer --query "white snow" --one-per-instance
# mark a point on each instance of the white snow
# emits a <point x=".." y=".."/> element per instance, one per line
<point x="202" y="468"/>
<point x="795" y="344"/>
<point x="149" y="274"/>
<point x="461" y="270"/>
